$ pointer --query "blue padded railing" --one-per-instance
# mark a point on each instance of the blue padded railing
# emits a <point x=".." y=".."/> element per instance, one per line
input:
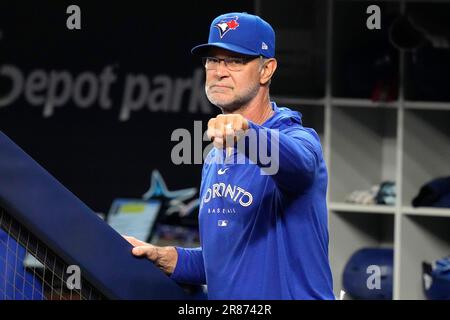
<point x="40" y="214"/>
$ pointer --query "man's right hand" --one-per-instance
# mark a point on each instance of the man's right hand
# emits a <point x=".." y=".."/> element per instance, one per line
<point x="164" y="258"/>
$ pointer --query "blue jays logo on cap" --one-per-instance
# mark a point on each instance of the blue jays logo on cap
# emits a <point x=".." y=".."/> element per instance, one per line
<point x="226" y="25"/>
<point x="240" y="32"/>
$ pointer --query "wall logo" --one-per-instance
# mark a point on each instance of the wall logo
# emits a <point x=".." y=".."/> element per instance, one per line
<point x="55" y="89"/>
<point x="226" y="25"/>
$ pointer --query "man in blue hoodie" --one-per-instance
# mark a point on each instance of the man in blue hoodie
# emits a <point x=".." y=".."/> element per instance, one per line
<point x="263" y="226"/>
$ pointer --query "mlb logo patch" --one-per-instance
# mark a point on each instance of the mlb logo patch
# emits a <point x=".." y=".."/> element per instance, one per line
<point x="222" y="223"/>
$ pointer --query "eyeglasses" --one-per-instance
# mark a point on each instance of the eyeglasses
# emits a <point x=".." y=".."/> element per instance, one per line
<point x="231" y="63"/>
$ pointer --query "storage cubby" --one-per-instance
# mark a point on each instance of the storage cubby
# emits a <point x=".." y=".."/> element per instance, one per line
<point x="301" y="64"/>
<point x="352" y="231"/>
<point x="423" y="238"/>
<point x="428" y="65"/>
<point x="365" y="64"/>
<point x="363" y="149"/>
<point x="426" y="153"/>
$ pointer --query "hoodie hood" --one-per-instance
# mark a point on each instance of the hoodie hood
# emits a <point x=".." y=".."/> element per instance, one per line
<point x="283" y="118"/>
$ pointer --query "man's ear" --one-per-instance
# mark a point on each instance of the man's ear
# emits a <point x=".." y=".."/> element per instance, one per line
<point x="267" y="70"/>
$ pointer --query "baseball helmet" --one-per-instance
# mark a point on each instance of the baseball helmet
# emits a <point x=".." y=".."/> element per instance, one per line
<point x="436" y="279"/>
<point x="360" y="272"/>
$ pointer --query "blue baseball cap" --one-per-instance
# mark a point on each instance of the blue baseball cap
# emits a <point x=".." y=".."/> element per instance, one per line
<point x="242" y="33"/>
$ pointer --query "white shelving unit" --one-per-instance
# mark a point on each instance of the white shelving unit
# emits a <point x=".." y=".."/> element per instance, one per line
<point x="367" y="142"/>
<point x="349" y="207"/>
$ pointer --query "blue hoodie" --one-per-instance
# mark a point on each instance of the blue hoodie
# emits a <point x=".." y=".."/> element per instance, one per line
<point x="263" y="236"/>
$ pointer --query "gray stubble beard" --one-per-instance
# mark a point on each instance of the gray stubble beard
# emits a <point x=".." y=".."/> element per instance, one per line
<point x="238" y="103"/>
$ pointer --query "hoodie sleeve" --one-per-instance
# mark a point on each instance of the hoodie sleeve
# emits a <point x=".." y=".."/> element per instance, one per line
<point x="190" y="267"/>
<point x="295" y="165"/>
